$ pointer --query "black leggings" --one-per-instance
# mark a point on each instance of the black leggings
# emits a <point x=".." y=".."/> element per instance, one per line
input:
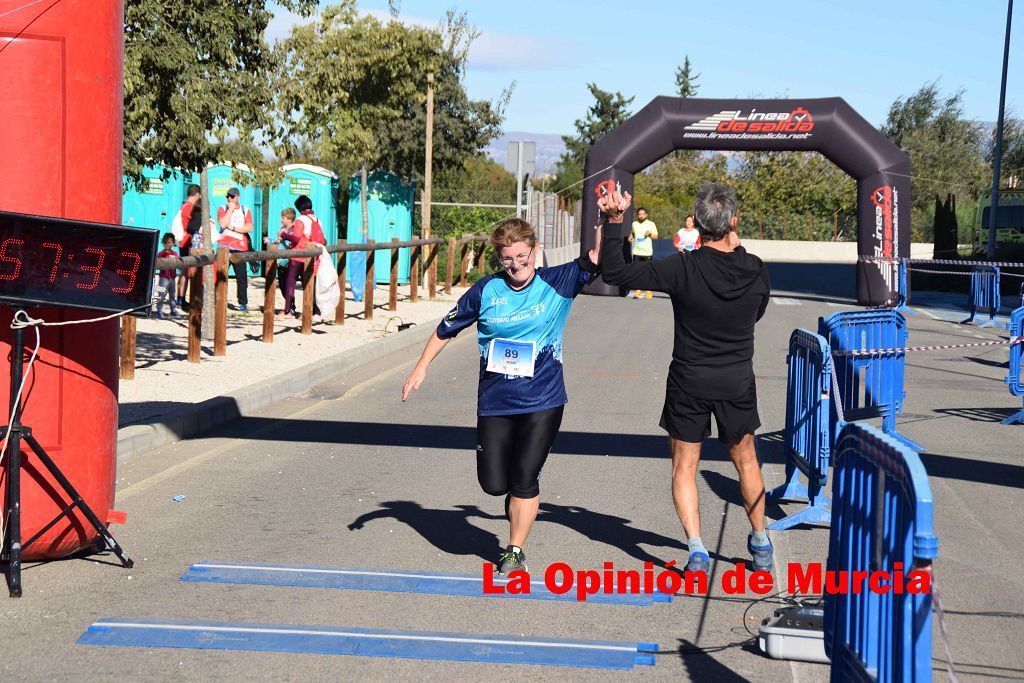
<point x="511" y="450"/>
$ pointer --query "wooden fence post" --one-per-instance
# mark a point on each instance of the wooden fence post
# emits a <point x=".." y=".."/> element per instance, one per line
<point x="432" y="272"/>
<point x="451" y="266"/>
<point x="464" y="263"/>
<point x="308" y="294"/>
<point x="835" y="227"/>
<point x="220" y="296"/>
<point x="339" y="312"/>
<point x="370" y="282"/>
<point x="127" y="370"/>
<point x="480" y="257"/>
<point x="269" y="298"/>
<point x="195" y="310"/>
<point x="393" y="284"/>
<point x="414" y="272"/>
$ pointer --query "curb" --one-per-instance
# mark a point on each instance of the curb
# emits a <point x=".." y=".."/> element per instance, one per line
<point x="139" y="439"/>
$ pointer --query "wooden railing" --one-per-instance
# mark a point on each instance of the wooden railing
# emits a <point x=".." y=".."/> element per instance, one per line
<point x="423" y="257"/>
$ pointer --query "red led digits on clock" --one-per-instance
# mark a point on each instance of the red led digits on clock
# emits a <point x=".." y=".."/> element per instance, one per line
<point x="4" y="258"/>
<point x="130" y="272"/>
<point x="95" y="270"/>
<point x="58" y="250"/>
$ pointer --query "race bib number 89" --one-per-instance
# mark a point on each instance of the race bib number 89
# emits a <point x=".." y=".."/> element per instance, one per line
<point x="510" y="357"/>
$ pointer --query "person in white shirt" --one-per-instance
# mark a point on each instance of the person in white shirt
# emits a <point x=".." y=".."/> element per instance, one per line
<point x="688" y="237"/>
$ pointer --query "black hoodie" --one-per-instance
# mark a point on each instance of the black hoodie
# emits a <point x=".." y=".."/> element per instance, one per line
<point x="717" y="297"/>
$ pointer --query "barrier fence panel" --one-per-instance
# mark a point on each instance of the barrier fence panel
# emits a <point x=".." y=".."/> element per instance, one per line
<point x="985" y="295"/>
<point x="870" y="385"/>
<point x="1015" y="377"/>
<point x="881" y="516"/>
<point x="903" y="279"/>
<point x="807" y="440"/>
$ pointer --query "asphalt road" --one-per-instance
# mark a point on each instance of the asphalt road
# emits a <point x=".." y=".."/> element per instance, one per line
<point x="348" y="476"/>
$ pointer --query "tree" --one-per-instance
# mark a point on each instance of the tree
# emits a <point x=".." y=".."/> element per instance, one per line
<point x="191" y="74"/>
<point x="1012" y="166"/>
<point x="686" y="80"/>
<point x="352" y="87"/>
<point x="946" y="150"/>
<point x="605" y="115"/>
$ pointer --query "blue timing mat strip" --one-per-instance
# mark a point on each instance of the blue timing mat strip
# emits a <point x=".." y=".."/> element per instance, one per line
<point x="332" y="640"/>
<point x="390" y="580"/>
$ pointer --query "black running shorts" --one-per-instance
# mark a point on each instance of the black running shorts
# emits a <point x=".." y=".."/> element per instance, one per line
<point x="512" y="449"/>
<point x="688" y="418"/>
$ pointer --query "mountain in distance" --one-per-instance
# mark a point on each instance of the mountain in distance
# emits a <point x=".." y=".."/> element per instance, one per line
<point x="549" y="148"/>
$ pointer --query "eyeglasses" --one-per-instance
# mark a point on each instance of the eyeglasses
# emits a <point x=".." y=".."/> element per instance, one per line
<point x="522" y="259"/>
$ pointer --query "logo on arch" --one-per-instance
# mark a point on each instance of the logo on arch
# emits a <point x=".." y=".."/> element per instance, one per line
<point x="755" y="122"/>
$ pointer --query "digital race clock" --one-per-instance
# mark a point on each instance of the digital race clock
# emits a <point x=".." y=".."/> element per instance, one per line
<point x="58" y="262"/>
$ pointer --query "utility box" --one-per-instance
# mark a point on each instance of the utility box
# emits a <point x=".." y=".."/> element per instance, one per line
<point x="219" y="179"/>
<point x="155" y="204"/>
<point x="389" y="204"/>
<point x="319" y="184"/>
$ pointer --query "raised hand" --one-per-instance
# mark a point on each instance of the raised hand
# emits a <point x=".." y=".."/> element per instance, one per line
<point x="614" y="205"/>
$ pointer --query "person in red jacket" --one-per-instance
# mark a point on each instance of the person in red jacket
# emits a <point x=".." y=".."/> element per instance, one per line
<point x="165" y="280"/>
<point x="304" y="231"/>
<point x="236" y="228"/>
<point x="185" y="227"/>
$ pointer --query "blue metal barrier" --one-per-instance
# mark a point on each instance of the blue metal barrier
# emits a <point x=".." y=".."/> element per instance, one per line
<point x="869" y="385"/>
<point x="1015" y="378"/>
<point x="882" y="515"/>
<point x="984" y="295"/>
<point x="903" y="287"/>
<point x="808" y="440"/>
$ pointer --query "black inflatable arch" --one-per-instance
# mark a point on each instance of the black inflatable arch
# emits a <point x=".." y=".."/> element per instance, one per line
<point x="829" y="126"/>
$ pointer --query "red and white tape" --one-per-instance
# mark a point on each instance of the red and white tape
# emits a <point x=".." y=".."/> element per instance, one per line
<point x="940" y="262"/>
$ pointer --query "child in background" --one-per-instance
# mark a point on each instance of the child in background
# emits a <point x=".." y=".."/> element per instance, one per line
<point x="165" y="281"/>
<point x="289" y="240"/>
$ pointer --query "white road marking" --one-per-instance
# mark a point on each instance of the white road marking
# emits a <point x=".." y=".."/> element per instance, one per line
<point x="783" y="301"/>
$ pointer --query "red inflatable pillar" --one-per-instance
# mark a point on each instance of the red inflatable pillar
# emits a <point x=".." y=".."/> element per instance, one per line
<point x="60" y="136"/>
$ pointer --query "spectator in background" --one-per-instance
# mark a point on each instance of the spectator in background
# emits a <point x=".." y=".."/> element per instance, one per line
<point x="642" y="236"/>
<point x="165" y="280"/>
<point x="688" y="236"/>
<point x="308" y="229"/>
<point x="185" y="228"/>
<point x="289" y="240"/>
<point x="236" y="227"/>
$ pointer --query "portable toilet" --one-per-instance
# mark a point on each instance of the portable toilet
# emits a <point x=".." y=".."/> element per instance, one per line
<point x="154" y="205"/>
<point x="219" y="179"/>
<point x="389" y="207"/>
<point x="319" y="184"/>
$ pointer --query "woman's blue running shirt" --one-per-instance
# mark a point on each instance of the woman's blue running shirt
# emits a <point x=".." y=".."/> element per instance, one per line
<point x="536" y="313"/>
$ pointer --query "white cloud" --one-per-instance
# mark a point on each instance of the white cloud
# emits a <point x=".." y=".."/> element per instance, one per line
<point x="491" y="50"/>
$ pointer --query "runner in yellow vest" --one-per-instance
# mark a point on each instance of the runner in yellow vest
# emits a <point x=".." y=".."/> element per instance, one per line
<point x="642" y="236"/>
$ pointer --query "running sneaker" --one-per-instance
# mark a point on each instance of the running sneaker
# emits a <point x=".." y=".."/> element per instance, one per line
<point x="698" y="562"/>
<point x="511" y="560"/>
<point x="243" y="307"/>
<point x="762" y="554"/>
<point x="649" y="294"/>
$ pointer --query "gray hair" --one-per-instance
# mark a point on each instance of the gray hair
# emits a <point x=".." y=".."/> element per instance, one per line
<point x="714" y="209"/>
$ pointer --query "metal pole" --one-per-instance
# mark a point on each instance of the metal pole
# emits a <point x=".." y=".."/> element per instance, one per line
<point x="999" y="139"/>
<point x="11" y="549"/>
<point x="519" y="182"/>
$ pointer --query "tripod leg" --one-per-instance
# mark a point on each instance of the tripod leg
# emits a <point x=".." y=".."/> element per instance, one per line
<point x="12" y="514"/>
<point x="77" y="499"/>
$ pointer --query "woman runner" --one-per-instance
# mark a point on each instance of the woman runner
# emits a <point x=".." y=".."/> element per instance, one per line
<point x="520" y="313"/>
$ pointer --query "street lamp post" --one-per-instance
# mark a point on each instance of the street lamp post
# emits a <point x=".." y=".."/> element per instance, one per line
<point x="996" y="161"/>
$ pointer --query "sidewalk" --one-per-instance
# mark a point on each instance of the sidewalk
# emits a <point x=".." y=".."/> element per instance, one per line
<point x="171" y="399"/>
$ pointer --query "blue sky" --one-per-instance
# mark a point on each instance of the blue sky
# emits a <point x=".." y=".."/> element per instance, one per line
<point x="869" y="56"/>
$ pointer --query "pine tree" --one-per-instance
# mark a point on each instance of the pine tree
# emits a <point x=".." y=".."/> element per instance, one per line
<point x="686" y="80"/>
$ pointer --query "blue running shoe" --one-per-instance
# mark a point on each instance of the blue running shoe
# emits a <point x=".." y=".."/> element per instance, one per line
<point x="243" y="307"/>
<point x="762" y="555"/>
<point x="698" y="562"/>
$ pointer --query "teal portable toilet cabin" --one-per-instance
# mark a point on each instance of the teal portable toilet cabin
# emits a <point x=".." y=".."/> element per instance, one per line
<point x="219" y="179"/>
<point x="389" y="206"/>
<point x="319" y="184"/>
<point x="154" y="205"/>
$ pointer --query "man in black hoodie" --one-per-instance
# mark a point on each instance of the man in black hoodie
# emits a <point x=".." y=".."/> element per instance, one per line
<point x="718" y="292"/>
